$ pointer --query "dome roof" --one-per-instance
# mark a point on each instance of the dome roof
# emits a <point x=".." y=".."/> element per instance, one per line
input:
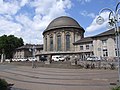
<point x="63" y="21"/>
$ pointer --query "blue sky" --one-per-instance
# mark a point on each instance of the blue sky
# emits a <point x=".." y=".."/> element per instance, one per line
<point x="29" y="18"/>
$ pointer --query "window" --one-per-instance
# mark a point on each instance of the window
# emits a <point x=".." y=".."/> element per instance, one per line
<point x="59" y="43"/>
<point x="81" y="47"/>
<point x="45" y="43"/>
<point x="115" y="40"/>
<point x="87" y="47"/>
<point x="105" y="52"/>
<point x="67" y="42"/>
<point x="116" y="52"/>
<point x="104" y="42"/>
<point x="51" y="43"/>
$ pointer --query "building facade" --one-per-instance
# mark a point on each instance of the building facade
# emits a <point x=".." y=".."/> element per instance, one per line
<point x="25" y="51"/>
<point x="65" y="36"/>
<point x="61" y="33"/>
<point x="101" y="45"/>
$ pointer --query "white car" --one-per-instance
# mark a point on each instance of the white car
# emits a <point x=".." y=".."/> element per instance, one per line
<point x="7" y="60"/>
<point x="61" y="58"/>
<point x="32" y="59"/>
<point x="57" y="58"/>
<point x="93" y="59"/>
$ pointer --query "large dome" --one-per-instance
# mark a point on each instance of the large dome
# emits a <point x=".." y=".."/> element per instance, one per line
<point x="61" y="22"/>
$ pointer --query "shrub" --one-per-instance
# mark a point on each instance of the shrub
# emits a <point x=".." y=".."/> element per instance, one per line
<point x="116" y="88"/>
<point x="3" y="84"/>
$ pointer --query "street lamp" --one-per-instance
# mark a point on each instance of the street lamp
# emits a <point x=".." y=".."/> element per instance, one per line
<point x="114" y="19"/>
<point x="33" y="54"/>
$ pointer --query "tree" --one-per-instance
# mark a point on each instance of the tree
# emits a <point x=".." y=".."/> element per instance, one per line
<point x="8" y="44"/>
<point x="116" y="88"/>
<point x="3" y="84"/>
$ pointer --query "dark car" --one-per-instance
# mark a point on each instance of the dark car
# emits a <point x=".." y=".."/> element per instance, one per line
<point x="43" y="58"/>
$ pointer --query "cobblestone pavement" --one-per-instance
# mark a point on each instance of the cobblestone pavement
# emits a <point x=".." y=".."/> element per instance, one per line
<point x="41" y="78"/>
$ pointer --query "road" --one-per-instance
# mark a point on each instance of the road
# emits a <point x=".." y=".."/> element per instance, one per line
<point x="41" y="78"/>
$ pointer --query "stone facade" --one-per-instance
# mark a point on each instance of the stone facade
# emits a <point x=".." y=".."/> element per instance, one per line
<point x="60" y="35"/>
<point x="74" y="36"/>
<point x="24" y="52"/>
<point x="101" y="45"/>
<point x="64" y="36"/>
<point x="105" y="47"/>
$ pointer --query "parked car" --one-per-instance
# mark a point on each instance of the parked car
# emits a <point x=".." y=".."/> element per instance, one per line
<point x="32" y="59"/>
<point x="43" y="58"/>
<point x="22" y="59"/>
<point x="19" y="59"/>
<point x="92" y="58"/>
<point x="7" y="60"/>
<point x="58" y="58"/>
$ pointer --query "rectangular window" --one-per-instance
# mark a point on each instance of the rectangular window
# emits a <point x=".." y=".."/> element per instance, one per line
<point x="115" y="40"/>
<point x="46" y="44"/>
<point x="104" y="42"/>
<point x="51" y="43"/>
<point x="67" y="42"/>
<point x="59" y="43"/>
<point x="116" y="52"/>
<point x="81" y="47"/>
<point x="105" y="52"/>
<point x="87" y="47"/>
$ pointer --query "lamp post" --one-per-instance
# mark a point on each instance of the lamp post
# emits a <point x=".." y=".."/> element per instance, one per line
<point x="33" y="54"/>
<point x="114" y="19"/>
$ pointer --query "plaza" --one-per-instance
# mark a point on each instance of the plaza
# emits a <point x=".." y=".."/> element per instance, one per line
<point x="42" y="78"/>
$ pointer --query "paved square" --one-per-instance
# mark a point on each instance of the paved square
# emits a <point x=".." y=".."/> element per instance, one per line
<point x="40" y="78"/>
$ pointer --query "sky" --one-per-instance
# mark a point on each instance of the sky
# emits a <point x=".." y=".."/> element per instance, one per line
<point x="29" y="18"/>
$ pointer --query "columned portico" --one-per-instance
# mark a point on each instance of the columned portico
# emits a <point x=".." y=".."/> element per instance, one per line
<point x="65" y="31"/>
<point x="60" y="34"/>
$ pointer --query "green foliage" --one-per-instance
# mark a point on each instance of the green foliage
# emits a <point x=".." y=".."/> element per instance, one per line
<point x="8" y="44"/>
<point x="116" y="88"/>
<point x="3" y="84"/>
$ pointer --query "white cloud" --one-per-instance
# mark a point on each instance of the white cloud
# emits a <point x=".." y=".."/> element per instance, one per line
<point x="23" y="2"/>
<point x="84" y="1"/>
<point x="30" y="28"/>
<point x="50" y="6"/>
<point x="85" y="13"/>
<point x="8" y="27"/>
<point x="94" y="26"/>
<point x="10" y="8"/>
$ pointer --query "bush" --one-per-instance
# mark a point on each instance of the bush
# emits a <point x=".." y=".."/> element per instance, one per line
<point x="112" y="66"/>
<point x="116" y="88"/>
<point x="87" y="66"/>
<point x="3" y="84"/>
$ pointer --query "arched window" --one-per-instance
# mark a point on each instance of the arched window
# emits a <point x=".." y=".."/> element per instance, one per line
<point x="45" y="43"/>
<point x="51" y="43"/>
<point x="58" y="42"/>
<point x="67" y="42"/>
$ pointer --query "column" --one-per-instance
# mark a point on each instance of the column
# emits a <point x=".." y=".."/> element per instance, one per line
<point x="2" y="58"/>
<point x="48" y="59"/>
<point x="48" y="42"/>
<point x="63" y="40"/>
<point x="111" y="48"/>
<point x="71" y="41"/>
<point x="44" y="43"/>
<point x="54" y="41"/>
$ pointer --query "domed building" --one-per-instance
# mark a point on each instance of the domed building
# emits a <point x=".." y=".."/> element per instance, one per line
<point x="60" y="35"/>
<point x="64" y="36"/>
